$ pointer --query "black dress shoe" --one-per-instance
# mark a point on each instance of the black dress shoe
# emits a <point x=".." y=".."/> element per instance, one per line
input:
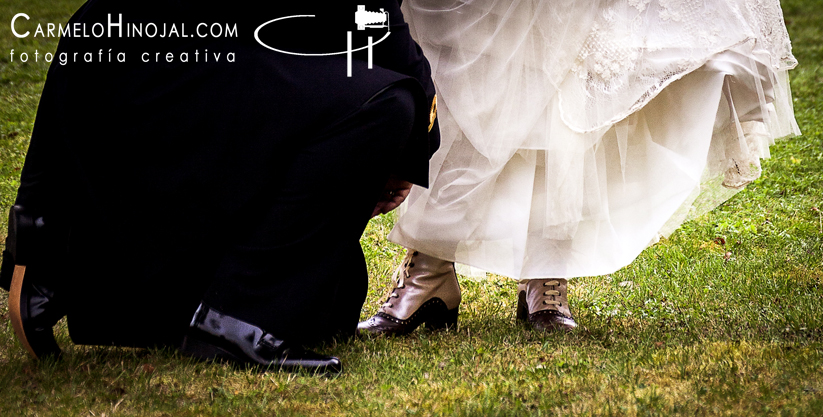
<point x="34" y="311"/>
<point x="6" y="269"/>
<point x="213" y="335"/>
<point x="26" y="233"/>
<point x="33" y="307"/>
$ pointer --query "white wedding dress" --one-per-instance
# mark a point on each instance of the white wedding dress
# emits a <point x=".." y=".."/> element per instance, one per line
<point x="575" y="133"/>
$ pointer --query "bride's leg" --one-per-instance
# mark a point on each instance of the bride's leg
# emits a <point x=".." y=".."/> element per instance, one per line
<point x="544" y="304"/>
<point x="425" y="291"/>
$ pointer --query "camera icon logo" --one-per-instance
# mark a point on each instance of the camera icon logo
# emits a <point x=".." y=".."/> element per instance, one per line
<point x="366" y="19"/>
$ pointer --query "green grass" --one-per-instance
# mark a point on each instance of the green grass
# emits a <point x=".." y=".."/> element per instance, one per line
<point x="706" y="327"/>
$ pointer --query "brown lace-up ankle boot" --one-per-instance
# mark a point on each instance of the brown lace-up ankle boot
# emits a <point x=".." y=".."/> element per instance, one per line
<point x="426" y="291"/>
<point x="544" y="304"/>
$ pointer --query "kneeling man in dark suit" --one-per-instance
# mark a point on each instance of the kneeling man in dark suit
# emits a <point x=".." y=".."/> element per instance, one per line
<point x="209" y="192"/>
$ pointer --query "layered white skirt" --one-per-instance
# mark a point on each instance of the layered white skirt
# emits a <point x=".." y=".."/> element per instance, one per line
<point x="576" y="133"/>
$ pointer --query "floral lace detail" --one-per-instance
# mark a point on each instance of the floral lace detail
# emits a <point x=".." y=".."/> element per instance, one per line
<point x="612" y="55"/>
<point x="637" y="47"/>
<point x="603" y="59"/>
<point x="640" y="5"/>
<point x="773" y="34"/>
<point x="743" y="167"/>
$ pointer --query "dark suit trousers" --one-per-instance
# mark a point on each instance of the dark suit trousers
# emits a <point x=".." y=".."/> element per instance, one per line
<point x="297" y="269"/>
<point x="247" y="186"/>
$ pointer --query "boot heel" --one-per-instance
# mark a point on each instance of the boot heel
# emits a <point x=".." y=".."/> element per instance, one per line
<point x="446" y="320"/>
<point x="522" y="307"/>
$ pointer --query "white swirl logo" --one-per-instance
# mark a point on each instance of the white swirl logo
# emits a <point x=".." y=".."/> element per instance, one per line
<point x="362" y="18"/>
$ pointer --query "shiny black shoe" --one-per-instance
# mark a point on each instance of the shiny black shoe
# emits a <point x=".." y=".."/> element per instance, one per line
<point x="26" y="235"/>
<point x="6" y="270"/>
<point x="33" y="307"/>
<point x="213" y="335"/>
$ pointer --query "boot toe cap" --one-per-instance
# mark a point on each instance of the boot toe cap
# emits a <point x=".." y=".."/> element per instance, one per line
<point x="549" y="320"/>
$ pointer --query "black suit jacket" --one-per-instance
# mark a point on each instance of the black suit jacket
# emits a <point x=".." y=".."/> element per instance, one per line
<point x="148" y="161"/>
<point x="399" y="54"/>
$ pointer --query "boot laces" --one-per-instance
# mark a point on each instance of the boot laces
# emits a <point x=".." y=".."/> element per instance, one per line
<point x="553" y="292"/>
<point x="399" y="277"/>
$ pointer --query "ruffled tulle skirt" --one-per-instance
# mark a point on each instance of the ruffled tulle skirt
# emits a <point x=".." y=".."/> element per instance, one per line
<point x="576" y="133"/>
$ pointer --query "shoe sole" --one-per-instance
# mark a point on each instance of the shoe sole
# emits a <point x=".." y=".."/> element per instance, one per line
<point x="207" y="352"/>
<point x="15" y="312"/>
<point x="522" y="315"/>
<point x="434" y="314"/>
<point x="443" y="322"/>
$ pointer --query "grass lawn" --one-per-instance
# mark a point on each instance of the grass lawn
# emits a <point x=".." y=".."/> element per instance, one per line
<point x="697" y="325"/>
